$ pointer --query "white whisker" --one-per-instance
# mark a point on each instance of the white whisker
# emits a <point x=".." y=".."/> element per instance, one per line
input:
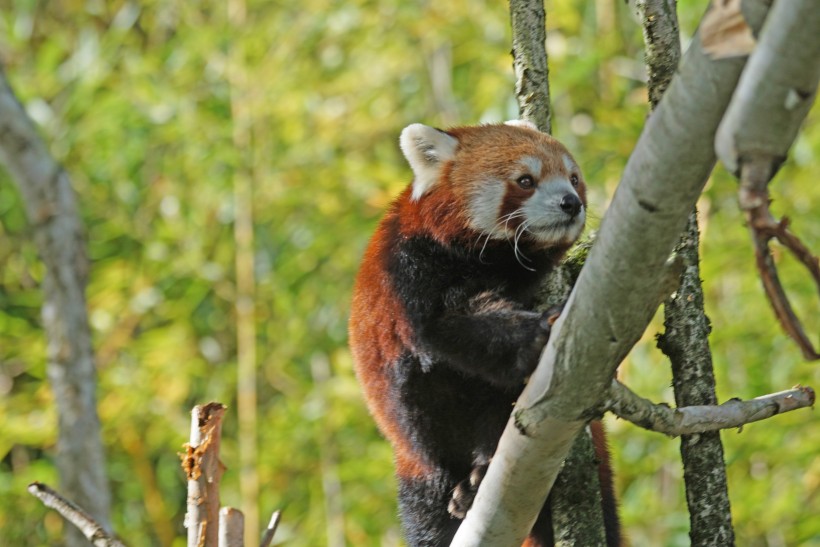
<point x="518" y="254"/>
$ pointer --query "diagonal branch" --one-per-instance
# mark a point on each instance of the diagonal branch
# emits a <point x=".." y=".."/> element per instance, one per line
<point x="91" y="529"/>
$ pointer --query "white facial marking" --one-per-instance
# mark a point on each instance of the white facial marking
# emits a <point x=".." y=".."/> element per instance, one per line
<point x="568" y="163"/>
<point x="532" y="166"/>
<point x="484" y="206"/>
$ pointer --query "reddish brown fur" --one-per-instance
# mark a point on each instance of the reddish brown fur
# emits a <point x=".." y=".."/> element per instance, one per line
<point x="441" y="213"/>
<point x="372" y="306"/>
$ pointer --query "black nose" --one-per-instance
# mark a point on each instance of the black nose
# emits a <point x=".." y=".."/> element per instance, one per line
<point x="570" y="204"/>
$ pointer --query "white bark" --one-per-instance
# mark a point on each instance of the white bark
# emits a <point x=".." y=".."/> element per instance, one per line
<point x="52" y="213"/>
<point x="613" y="300"/>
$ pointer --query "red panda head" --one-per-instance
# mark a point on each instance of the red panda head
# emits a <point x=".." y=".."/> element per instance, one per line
<point x="499" y="182"/>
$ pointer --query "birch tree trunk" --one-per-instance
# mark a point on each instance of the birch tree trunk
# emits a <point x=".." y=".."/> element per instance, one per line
<point x="58" y="234"/>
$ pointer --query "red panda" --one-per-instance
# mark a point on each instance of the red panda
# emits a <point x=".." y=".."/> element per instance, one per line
<point x="442" y="327"/>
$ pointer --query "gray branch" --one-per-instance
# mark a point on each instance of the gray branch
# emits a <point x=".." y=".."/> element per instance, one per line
<point x="697" y="419"/>
<point x="58" y="233"/>
<point x="270" y="531"/>
<point x="613" y="300"/>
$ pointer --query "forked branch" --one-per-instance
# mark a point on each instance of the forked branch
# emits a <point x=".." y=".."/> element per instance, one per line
<point x="760" y="126"/>
<point x="754" y="200"/>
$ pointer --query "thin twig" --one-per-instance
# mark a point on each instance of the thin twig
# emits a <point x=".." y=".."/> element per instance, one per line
<point x="754" y="179"/>
<point x="688" y="420"/>
<point x="90" y="528"/>
<point x="267" y="537"/>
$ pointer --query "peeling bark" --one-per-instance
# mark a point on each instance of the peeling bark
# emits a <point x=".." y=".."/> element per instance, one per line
<point x="204" y="471"/>
<point x="772" y="100"/>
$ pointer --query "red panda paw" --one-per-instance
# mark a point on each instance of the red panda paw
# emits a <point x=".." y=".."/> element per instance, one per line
<point x="550" y="316"/>
<point x="465" y="491"/>
<point x="530" y="352"/>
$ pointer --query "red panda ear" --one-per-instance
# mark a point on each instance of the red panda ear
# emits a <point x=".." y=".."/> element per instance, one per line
<point x="427" y="149"/>
<point x="522" y="123"/>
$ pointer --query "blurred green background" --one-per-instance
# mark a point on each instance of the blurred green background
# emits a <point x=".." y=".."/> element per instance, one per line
<point x="145" y="102"/>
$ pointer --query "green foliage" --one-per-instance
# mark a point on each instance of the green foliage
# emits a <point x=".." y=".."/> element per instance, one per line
<point x="135" y="100"/>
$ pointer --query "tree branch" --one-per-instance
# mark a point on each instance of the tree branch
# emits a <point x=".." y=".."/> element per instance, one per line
<point x="613" y="300"/>
<point x="92" y="530"/>
<point x="689" y="420"/>
<point x="52" y="213"/>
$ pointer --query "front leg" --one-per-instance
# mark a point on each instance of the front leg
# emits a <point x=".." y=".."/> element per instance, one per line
<point x="490" y="339"/>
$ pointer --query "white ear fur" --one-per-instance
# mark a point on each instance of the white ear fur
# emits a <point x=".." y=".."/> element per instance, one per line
<point x="522" y="123"/>
<point x="426" y="150"/>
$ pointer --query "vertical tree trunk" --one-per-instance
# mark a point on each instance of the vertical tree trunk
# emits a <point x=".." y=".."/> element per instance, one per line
<point x="530" y="62"/>
<point x="245" y="305"/>
<point x="686" y="343"/>
<point x="575" y="501"/>
<point x="57" y="231"/>
<point x="686" y="340"/>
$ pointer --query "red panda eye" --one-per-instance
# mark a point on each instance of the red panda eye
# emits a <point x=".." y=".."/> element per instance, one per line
<point x="574" y="180"/>
<point x="526" y="182"/>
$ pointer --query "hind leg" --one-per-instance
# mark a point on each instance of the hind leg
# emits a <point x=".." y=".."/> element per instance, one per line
<point x="464" y="493"/>
<point x="423" y="506"/>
